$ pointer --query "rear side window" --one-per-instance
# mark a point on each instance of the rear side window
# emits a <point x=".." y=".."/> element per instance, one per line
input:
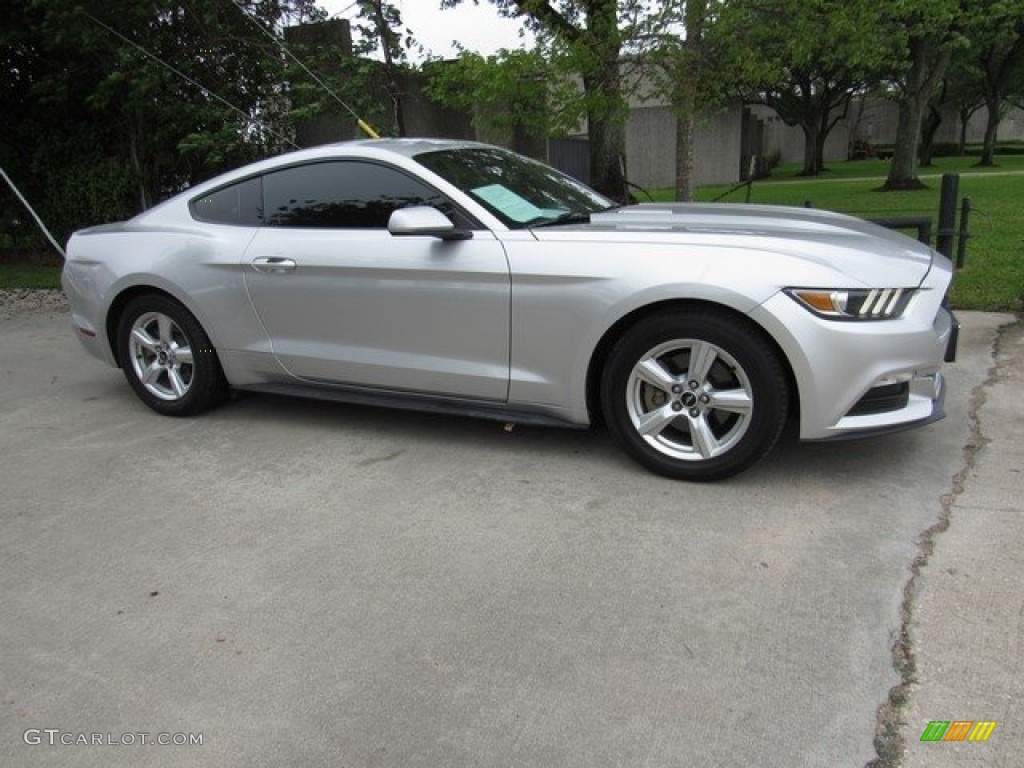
<point x="240" y="204"/>
<point x="343" y="195"/>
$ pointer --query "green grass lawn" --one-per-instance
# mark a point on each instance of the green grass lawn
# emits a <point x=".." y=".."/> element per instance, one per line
<point x="25" y="275"/>
<point x="993" y="276"/>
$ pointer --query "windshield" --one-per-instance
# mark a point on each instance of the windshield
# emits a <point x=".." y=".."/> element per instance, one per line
<point x="519" y="191"/>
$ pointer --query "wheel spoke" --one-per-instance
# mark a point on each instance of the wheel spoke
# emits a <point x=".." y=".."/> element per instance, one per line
<point x="652" y="422"/>
<point x="166" y="328"/>
<point x="152" y="373"/>
<point x="177" y="383"/>
<point x="183" y="355"/>
<point x="704" y="441"/>
<point x="731" y="400"/>
<point x="654" y="373"/>
<point x="143" y="339"/>
<point x="702" y="357"/>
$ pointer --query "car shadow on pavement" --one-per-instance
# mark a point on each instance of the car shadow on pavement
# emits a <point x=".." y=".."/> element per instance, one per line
<point x="884" y="458"/>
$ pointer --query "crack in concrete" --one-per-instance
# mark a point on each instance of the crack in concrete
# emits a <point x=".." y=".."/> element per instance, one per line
<point x="889" y="742"/>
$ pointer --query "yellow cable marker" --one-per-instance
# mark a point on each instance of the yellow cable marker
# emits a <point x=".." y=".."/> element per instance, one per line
<point x="367" y="129"/>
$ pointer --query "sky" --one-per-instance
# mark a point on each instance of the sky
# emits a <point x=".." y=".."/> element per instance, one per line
<point x="478" y="28"/>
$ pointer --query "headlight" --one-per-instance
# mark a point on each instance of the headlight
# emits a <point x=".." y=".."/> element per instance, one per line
<point x="854" y="303"/>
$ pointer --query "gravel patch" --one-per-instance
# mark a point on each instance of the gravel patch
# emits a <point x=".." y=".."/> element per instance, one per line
<point x="25" y="301"/>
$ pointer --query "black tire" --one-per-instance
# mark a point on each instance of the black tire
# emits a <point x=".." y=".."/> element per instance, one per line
<point x="710" y="425"/>
<point x="157" y="336"/>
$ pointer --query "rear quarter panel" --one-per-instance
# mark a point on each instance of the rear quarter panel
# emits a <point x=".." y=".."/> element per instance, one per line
<point x="199" y="267"/>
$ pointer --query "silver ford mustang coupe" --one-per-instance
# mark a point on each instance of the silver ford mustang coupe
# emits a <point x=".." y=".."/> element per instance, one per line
<point x="459" y="277"/>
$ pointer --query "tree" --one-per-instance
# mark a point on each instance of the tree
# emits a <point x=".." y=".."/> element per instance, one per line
<point x="922" y="36"/>
<point x="996" y="33"/>
<point x="65" y="177"/>
<point x="379" y="29"/>
<point x="678" y="70"/>
<point x="806" y="59"/>
<point x="958" y="90"/>
<point x="96" y="128"/>
<point x="593" y="35"/>
<point x="512" y="95"/>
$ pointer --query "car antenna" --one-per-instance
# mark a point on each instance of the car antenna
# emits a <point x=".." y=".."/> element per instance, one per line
<point x="185" y="77"/>
<point x="32" y="211"/>
<point x="280" y="44"/>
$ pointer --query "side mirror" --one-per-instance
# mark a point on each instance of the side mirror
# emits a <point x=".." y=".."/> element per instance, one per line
<point x="425" y="221"/>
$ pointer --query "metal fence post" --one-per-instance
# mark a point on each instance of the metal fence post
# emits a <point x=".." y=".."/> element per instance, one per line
<point x="947" y="214"/>
<point x="961" y="246"/>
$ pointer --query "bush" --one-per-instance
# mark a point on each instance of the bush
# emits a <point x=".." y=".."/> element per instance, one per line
<point x="766" y="163"/>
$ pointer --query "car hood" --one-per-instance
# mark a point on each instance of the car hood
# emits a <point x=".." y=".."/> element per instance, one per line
<point x="864" y="251"/>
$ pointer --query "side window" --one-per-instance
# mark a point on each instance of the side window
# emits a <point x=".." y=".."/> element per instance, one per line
<point x="240" y="204"/>
<point x="343" y="195"/>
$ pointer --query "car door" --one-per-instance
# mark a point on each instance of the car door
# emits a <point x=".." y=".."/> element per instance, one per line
<point x="344" y="301"/>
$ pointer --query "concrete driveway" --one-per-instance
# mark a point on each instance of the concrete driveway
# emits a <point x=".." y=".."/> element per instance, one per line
<point x="308" y="584"/>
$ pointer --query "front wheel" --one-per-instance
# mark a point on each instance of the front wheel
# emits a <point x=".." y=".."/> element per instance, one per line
<point x="168" y="358"/>
<point x="695" y="395"/>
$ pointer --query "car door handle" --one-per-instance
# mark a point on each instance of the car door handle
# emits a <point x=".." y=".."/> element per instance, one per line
<point x="273" y="264"/>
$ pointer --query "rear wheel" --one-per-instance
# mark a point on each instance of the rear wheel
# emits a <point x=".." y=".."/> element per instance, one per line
<point x="695" y="395"/>
<point x="168" y="358"/>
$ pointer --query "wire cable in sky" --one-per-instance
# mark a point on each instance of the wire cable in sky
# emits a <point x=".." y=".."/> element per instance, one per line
<point x="280" y="44"/>
<point x="248" y="118"/>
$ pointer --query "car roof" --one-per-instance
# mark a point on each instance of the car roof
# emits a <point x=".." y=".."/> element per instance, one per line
<point x="370" y="148"/>
<point x="400" y="150"/>
<point x="405" y="148"/>
<point x="410" y="147"/>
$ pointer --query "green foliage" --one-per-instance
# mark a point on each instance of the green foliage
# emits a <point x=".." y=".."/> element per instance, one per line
<point x="995" y="33"/>
<point x="806" y="59"/>
<point x="96" y="128"/>
<point x="378" y="28"/>
<point x="505" y="92"/>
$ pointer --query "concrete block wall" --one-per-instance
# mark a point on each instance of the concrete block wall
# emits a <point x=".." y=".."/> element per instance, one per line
<point x="651" y="147"/>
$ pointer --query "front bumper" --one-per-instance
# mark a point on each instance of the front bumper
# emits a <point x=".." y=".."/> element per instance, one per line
<point x="930" y="401"/>
<point x="858" y="379"/>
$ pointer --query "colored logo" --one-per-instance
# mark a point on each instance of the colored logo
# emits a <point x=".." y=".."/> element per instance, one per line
<point x="958" y="730"/>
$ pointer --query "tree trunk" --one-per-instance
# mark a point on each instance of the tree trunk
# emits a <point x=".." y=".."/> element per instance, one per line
<point x="811" y="164"/>
<point x="819" y="151"/>
<point x="922" y="76"/>
<point x="988" y="150"/>
<point x="605" y="123"/>
<point x="929" y="125"/>
<point x="903" y="166"/>
<point x="141" y="177"/>
<point x="606" y="158"/>
<point x="686" y="110"/>
<point x="965" y="117"/>
<point x="684" y="156"/>
<point x="386" y="42"/>
<point x="694" y="19"/>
